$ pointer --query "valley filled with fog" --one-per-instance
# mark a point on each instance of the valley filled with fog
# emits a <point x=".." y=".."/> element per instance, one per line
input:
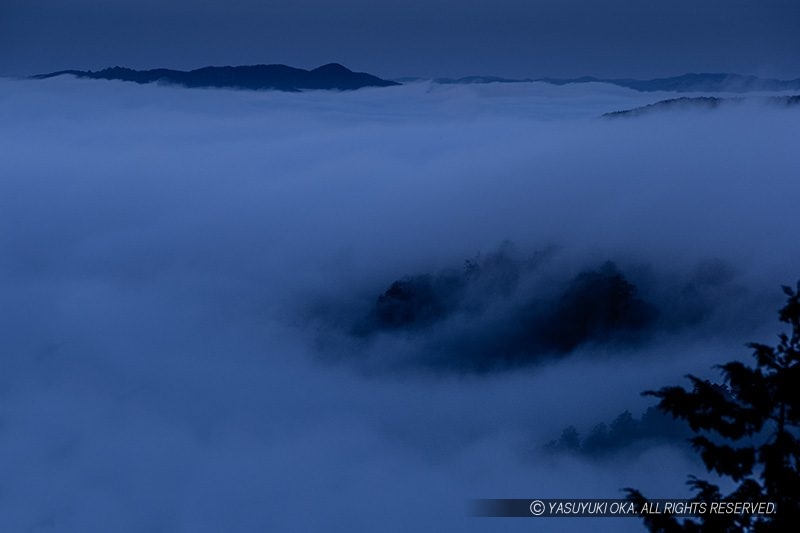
<point x="257" y="311"/>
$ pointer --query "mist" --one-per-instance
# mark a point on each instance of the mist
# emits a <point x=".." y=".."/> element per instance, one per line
<point x="183" y="274"/>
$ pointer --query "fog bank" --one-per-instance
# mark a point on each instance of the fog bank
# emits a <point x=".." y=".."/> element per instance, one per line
<point x="181" y="272"/>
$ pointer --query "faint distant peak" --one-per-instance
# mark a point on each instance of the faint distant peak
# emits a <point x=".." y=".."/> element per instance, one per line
<point x="690" y="82"/>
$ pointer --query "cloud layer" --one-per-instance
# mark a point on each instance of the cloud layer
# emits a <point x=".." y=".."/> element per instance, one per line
<point x="177" y="265"/>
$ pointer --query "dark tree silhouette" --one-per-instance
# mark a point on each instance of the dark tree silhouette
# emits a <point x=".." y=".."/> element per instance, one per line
<point x="747" y="429"/>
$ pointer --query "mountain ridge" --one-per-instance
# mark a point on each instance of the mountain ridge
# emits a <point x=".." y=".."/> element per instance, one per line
<point x="334" y="76"/>
<point x="686" y="103"/>
<point x="331" y="76"/>
<point x="690" y="82"/>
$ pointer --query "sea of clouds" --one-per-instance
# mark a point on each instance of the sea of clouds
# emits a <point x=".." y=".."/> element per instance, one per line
<point x="181" y="272"/>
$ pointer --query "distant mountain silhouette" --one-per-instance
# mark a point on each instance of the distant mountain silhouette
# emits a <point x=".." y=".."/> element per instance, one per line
<point x="480" y="79"/>
<point x="700" y="102"/>
<point x="685" y="83"/>
<point x="256" y="77"/>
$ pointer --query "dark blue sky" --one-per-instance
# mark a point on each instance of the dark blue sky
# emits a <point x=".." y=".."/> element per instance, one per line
<point x="639" y="38"/>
